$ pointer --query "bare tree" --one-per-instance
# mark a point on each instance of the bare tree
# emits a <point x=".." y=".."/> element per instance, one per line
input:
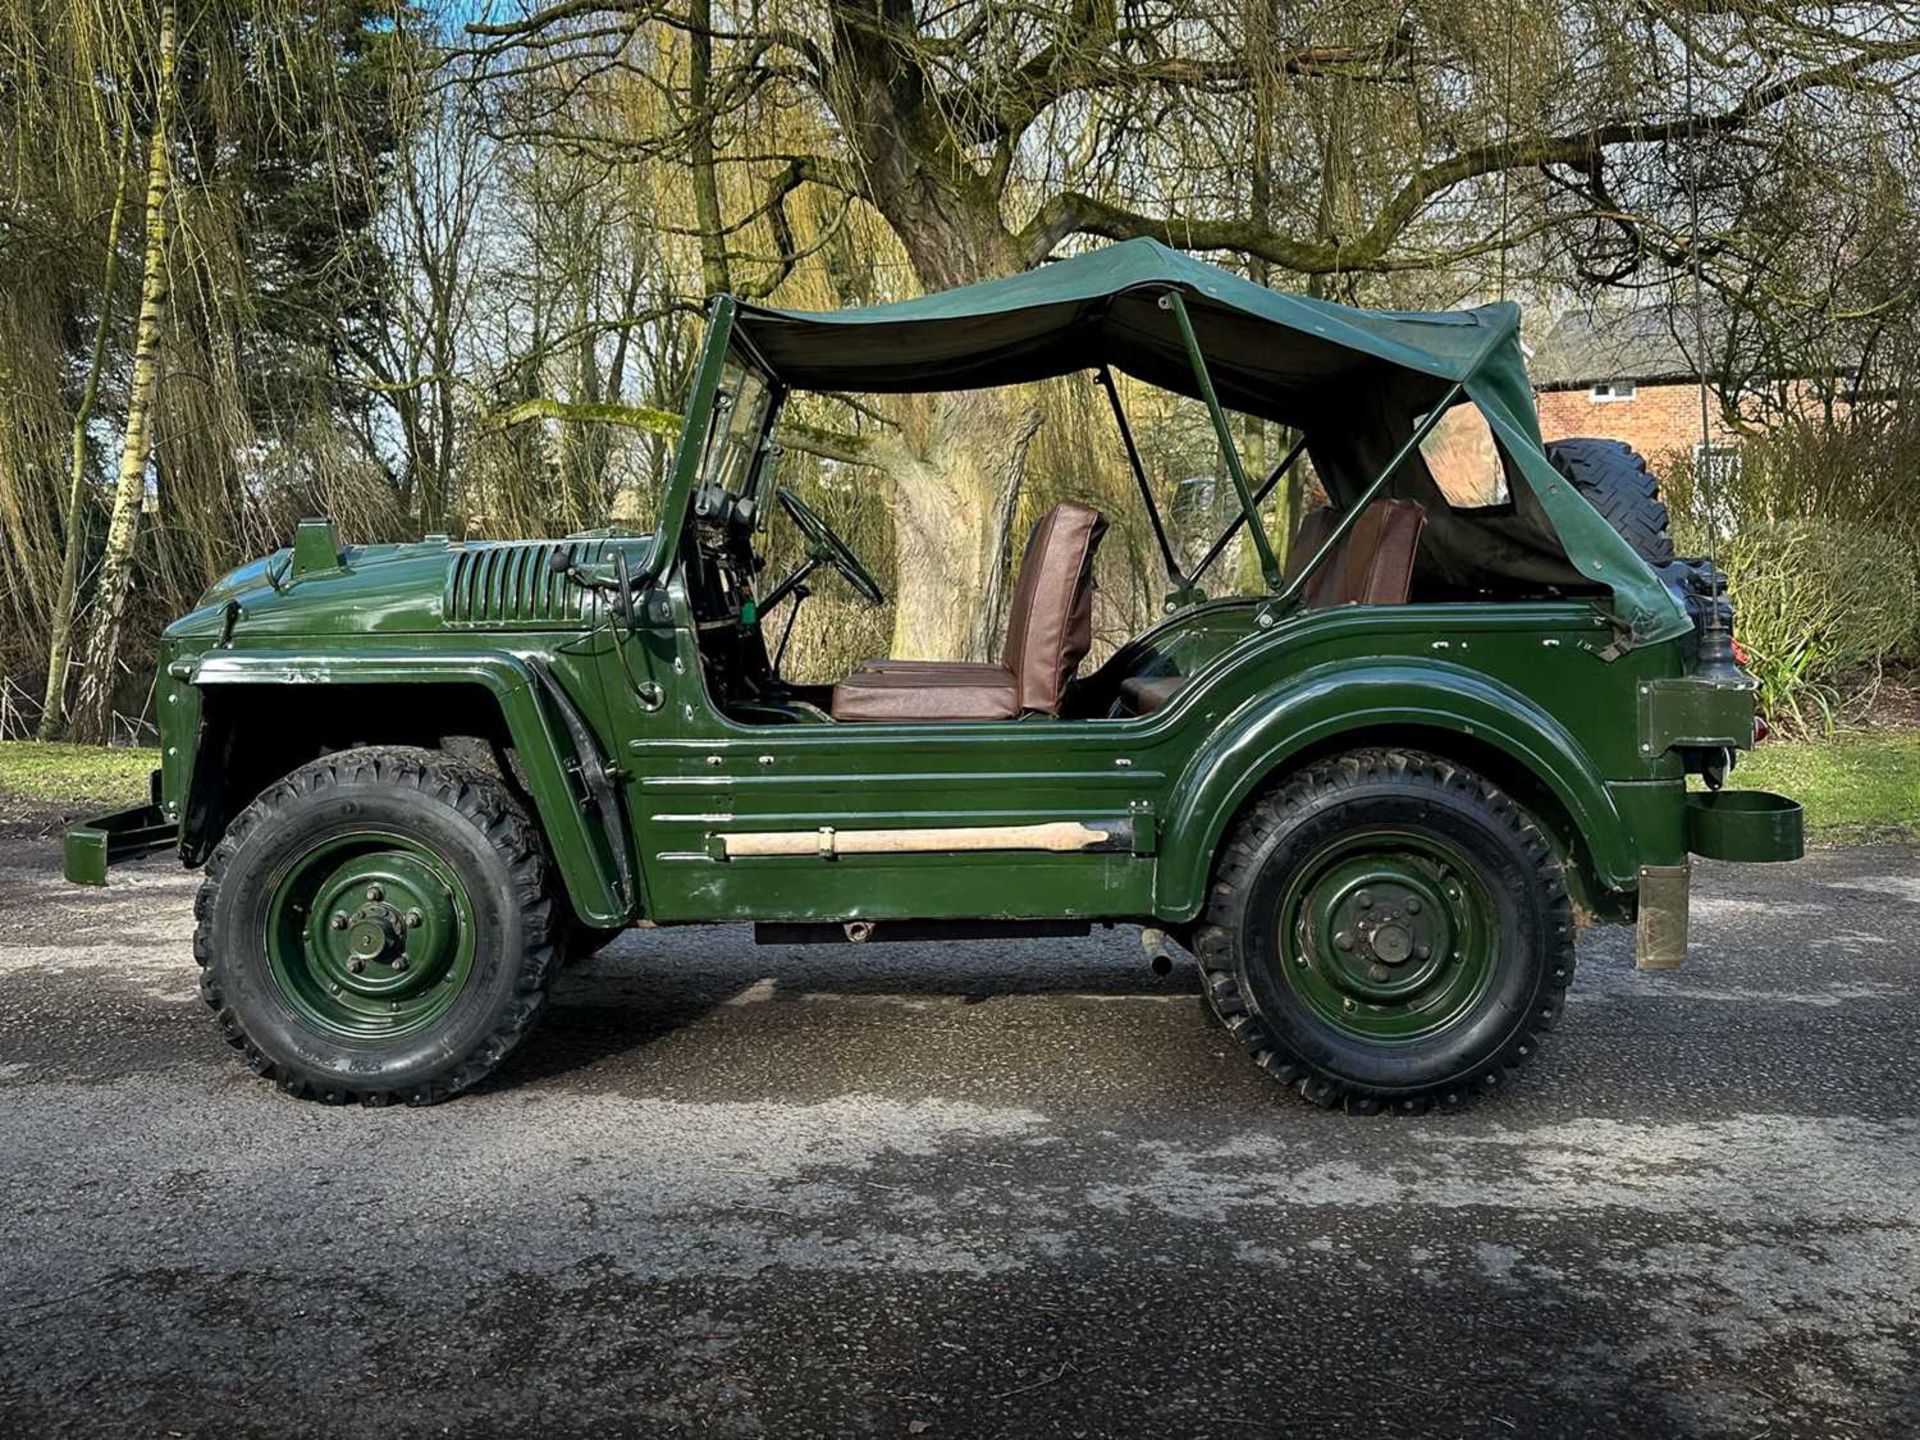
<point x="988" y="136"/>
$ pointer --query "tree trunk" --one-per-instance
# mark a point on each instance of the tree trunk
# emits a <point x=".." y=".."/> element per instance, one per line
<point x="93" y="710"/>
<point x="956" y="471"/>
<point x="958" y="466"/>
<point x="706" y="180"/>
<point x="53" y="713"/>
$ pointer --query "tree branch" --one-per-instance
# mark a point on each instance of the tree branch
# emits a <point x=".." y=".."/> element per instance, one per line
<point x="1074" y="213"/>
<point x="806" y="439"/>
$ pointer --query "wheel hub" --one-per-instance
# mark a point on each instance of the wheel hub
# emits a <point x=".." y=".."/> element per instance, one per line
<point x="1384" y="937"/>
<point x="1391" y="943"/>
<point x="369" y="937"/>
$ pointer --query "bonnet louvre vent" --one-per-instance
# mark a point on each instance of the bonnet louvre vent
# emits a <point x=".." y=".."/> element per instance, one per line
<point x="514" y="584"/>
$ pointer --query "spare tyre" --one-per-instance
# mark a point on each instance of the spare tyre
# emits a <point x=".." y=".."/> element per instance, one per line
<point x="1617" y="483"/>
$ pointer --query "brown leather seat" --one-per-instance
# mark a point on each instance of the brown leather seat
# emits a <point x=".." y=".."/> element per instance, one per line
<point x="1049" y="631"/>
<point x="1373" y="564"/>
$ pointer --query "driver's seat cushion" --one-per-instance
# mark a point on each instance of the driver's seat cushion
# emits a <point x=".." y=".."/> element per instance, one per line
<point x="1049" y="631"/>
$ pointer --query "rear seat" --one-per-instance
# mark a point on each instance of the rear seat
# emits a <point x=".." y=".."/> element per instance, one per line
<point x="1373" y="565"/>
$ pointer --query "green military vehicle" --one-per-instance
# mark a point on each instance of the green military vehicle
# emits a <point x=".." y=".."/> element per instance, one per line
<point x="1375" y="801"/>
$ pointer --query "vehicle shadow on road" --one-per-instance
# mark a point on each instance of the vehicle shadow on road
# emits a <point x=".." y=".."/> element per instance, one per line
<point x="649" y="986"/>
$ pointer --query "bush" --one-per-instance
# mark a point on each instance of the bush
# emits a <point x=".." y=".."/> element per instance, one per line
<point x="1863" y="470"/>
<point x="1820" y="605"/>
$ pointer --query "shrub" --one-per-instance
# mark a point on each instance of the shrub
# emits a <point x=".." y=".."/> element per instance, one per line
<point x="1862" y="470"/>
<point x="1820" y="604"/>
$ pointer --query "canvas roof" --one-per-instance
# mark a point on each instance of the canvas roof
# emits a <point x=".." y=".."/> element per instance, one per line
<point x="1270" y="353"/>
<point x="1355" y="381"/>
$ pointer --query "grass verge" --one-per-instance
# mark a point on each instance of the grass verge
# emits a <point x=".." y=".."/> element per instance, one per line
<point x="74" y="775"/>
<point x="1856" y="787"/>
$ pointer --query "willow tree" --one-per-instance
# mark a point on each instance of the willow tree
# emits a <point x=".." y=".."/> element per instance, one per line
<point x="989" y="136"/>
<point x="62" y="207"/>
<point x="191" y="187"/>
<point x="93" y="709"/>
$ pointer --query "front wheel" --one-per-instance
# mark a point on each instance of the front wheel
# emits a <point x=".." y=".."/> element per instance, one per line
<point x="377" y="927"/>
<point x="1387" y="930"/>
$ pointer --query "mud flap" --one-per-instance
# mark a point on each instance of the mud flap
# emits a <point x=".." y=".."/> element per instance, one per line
<point x="1661" y="933"/>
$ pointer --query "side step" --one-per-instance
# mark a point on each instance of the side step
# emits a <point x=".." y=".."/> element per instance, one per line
<point x="861" y="932"/>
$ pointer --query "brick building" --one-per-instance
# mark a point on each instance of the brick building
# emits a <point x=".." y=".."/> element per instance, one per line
<point x="1625" y="375"/>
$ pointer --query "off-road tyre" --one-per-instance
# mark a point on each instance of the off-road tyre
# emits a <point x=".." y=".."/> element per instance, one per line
<point x="1615" y="480"/>
<point x="1317" y="813"/>
<point x="467" y="829"/>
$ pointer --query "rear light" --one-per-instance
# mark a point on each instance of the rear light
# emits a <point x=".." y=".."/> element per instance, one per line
<point x="1760" y="728"/>
<point x="1740" y="654"/>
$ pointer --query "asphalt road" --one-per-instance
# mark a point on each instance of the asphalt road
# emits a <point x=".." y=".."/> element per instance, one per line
<point x="1011" y="1189"/>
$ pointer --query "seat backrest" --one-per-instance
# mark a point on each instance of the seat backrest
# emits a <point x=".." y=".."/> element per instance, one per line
<point x="1373" y="564"/>
<point x="1050" y="619"/>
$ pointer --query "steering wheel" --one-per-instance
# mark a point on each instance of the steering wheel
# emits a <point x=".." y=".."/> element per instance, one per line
<point x="831" y="548"/>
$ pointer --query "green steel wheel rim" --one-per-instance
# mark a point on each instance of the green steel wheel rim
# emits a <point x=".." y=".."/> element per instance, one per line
<point x="369" y="936"/>
<point x="1388" y="935"/>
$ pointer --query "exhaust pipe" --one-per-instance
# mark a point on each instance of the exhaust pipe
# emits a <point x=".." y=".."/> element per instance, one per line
<point x="1159" y="961"/>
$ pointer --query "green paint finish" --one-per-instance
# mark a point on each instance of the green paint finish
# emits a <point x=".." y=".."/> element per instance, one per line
<point x="1745" y="825"/>
<point x="582" y="849"/>
<point x="369" y="936"/>
<point x="316" y="549"/>
<point x="634" y="772"/>
<point x="1653" y="822"/>
<point x="1690" y="711"/>
<point x="88" y="849"/>
<point x="1387" y="935"/>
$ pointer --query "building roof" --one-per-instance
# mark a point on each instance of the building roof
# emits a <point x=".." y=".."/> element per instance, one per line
<point x="1655" y="345"/>
<point x="1648" y="345"/>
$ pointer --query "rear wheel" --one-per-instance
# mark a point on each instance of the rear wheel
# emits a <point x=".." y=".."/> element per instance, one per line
<point x="1387" y="931"/>
<point x="377" y="927"/>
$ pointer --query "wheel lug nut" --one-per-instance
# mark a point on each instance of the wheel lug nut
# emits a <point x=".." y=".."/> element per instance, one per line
<point x="399" y="962"/>
<point x="415" y="919"/>
<point x="1378" y="972"/>
<point x="374" y="892"/>
<point x="356" y="965"/>
<point x="1344" y="940"/>
<point x="1346" y="1004"/>
<point x="1364" y="899"/>
<point x="1413" y="905"/>
<point x="338" y="922"/>
<point x="1422" y="952"/>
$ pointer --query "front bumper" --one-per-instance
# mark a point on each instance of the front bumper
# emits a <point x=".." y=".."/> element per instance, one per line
<point x="89" y="848"/>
